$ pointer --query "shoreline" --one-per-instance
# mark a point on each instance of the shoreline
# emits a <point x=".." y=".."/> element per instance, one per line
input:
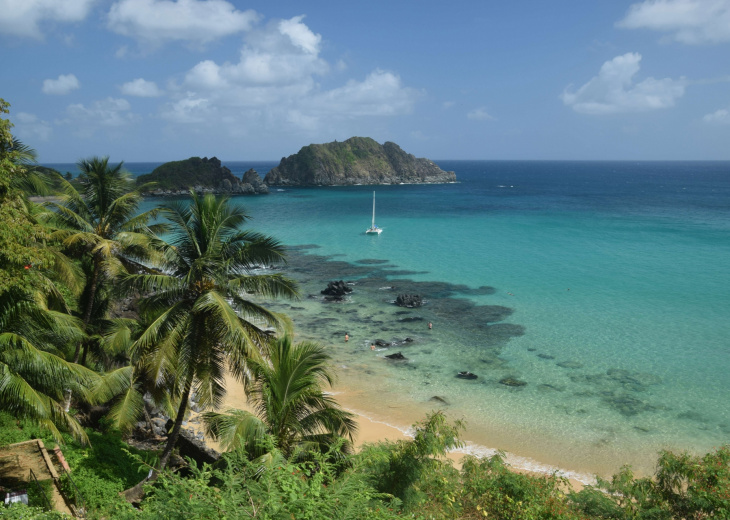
<point x="371" y="430"/>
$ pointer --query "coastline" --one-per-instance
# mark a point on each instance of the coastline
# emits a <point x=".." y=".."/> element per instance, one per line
<point x="371" y="430"/>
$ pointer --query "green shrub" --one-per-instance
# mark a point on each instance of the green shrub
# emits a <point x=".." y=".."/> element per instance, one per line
<point x="22" y="512"/>
<point x="241" y="489"/>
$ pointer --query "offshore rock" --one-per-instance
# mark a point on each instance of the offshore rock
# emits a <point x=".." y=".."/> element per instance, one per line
<point x="511" y="381"/>
<point x="337" y="289"/>
<point x="253" y="183"/>
<point x="359" y="160"/>
<point x="466" y="375"/>
<point x="409" y="300"/>
<point x="397" y="357"/>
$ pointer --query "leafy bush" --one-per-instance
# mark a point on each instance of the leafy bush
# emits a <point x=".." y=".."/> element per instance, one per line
<point x="241" y="489"/>
<point x="40" y="495"/>
<point x="19" y="511"/>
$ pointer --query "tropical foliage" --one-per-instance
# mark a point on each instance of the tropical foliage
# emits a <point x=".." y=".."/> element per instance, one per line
<point x="99" y="224"/>
<point x="200" y="287"/>
<point x="289" y="403"/>
<point x="204" y="321"/>
<point x="34" y="321"/>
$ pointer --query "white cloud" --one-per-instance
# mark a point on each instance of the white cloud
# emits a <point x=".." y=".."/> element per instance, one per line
<point x="110" y="112"/>
<point x="719" y="117"/>
<point x="22" y="17"/>
<point x="190" y="109"/>
<point x="276" y="84"/>
<point x="687" y="21"/>
<point x="194" y="21"/>
<point x="284" y="53"/>
<point x="300" y="35"/>
<point x="479" y="114"/>
<point x="29" y="127"/>
<point x="614" y="91"/>
<point x="61" y="86"/>
<point x="380" y="94"/>
<point x="141" y="88"/>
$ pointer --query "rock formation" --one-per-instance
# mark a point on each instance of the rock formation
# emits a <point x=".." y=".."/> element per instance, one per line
<point x="408" y="300"/>
<point x="359" y="160"/>
<point x="202" y="175"/>
<point x="336" y="290"/>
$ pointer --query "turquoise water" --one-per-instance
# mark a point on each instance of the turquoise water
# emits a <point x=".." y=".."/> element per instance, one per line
<point x="602" y="286"/>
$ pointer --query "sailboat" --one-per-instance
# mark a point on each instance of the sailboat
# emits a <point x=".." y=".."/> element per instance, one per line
<point x="373" y="228"/>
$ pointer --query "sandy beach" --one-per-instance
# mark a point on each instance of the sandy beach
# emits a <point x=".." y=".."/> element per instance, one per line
<point x="369" y="430"/>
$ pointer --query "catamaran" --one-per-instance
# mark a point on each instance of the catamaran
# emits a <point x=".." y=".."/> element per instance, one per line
<point x="373" y="228"/>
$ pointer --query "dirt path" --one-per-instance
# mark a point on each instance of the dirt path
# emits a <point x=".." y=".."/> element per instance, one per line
<point x="16" y="462"/>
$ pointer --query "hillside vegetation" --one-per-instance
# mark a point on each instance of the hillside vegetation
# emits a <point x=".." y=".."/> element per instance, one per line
<point x="359" y="160"/>
<point x="188" y="173"/>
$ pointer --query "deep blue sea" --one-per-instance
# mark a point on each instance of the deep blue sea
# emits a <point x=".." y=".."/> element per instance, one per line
<point x="604" y="287"/>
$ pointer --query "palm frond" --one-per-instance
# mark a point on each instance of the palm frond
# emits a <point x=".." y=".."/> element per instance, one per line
<point x="236" y="430"/>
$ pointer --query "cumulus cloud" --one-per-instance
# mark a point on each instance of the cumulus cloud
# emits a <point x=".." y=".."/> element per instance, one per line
<point x="109" y="112"/>
<point x="479" y="114"/>
<point x="687" y="21"/>
<point x="614" y="90"/>
<point x="284" y="53"/>
<point x="61" y="86"/>
<point x="381" y="93"/>
<point x="719" y="117"/>
<point x="141" y="88"/>
<point x="30" y="128"/>
<point x="276" y="82"/>
<point x="22" y="17"/>
<point x="190" y="109"/>
<point x="193" y="21"/>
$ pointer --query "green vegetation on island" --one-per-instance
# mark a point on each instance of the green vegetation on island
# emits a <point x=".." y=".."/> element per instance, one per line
<point x="115" y="391"/>
<point x="359" y="160"/>
<point x="202" y="175"/>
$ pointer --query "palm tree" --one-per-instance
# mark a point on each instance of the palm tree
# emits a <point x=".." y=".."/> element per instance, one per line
<point x="33" y="375"/>
<point x="289" y="404"/>
<point x="100" y="223"/>
<point x="128" y="382"/>
<point x="205" y="320"/>
<point x="27" y="177"/>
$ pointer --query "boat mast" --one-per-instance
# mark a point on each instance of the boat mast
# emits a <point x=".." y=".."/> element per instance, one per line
<point x="373" y="224"/>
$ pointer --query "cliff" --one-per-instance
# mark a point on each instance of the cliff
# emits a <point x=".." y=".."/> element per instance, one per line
<point x="359" y="160"/>
<point x="202" y="175"/>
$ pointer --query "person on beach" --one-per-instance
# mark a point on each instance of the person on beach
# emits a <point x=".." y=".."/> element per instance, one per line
<point x="347" y="337"/>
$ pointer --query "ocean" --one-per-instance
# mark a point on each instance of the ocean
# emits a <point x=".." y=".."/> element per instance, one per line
<point x="591" y="299"/>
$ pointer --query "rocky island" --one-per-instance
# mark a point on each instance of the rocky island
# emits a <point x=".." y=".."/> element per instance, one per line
<point x="204" y="176"/>
<point x="359" y="160"/>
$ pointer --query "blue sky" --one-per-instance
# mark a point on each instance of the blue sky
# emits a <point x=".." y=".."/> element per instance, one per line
<point x="159" y="80"/>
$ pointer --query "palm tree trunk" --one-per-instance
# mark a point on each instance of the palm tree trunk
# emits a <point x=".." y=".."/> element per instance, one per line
<point x="175" y="433"/>
<point x="135" y="494"/>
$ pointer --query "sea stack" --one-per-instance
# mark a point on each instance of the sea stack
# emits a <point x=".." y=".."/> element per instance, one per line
<point x="359" y="160"/>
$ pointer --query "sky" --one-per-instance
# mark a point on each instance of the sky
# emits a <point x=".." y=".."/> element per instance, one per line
<point x="161" y="80"/>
